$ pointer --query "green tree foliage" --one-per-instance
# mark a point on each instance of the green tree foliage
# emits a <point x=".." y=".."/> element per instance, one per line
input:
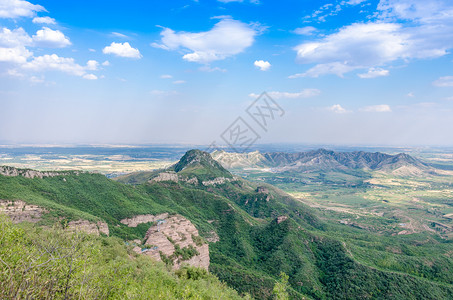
<point x="280" y="290"/>
<point x="54" y="263"/>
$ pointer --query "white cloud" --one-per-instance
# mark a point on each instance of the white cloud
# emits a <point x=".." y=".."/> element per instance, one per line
<point x="416" y="10"/>
<point x="12" y="9"/>
<point x="122" y="50"/>
<point x="374" y="72"/>
<point x="18" y="55"/>
<point x="377" y="108"/>
<point x="14" y="38"/>
<point x="120" y="35"/>
<point x="308" y="30"/>
<point x="405" y="30"/>
<point x="306" y="93"/>
<point x="90" y="76"/>
<point x="34" y="79"/>
<point x="55" y="63"/>
<point x="179" y="81"/>
<point x="166" y="76"/>
<point x="355" y="2"/>
<point x="410" y="95"/>
<point x="446" y="81"/>
<point x="12" y="46"/>
<point x="47" y="37"/>
<point x="227" y="38"/>
<point x="92" y="65"/>
<point x="262" y="65"/>
<point x="106" y="63"/>
<point x="354" y="47"/>
<point x="211" y="69"/>
<point x="338" y="109"/>
<point x="44" y="20"/>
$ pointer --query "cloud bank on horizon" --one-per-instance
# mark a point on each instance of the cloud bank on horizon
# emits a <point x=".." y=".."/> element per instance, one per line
<point x="350" y="59"/>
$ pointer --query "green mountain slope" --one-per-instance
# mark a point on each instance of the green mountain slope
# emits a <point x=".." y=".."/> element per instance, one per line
<point x="256" y="232"/>
<point x="57" y="264"/>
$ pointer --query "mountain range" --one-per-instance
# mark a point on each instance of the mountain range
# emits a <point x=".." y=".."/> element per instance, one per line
<point x="324" y="160"/>
<point x="251" y="232"/>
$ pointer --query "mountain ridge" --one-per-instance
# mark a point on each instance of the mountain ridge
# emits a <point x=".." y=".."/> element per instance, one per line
<point x="321" y="159"/>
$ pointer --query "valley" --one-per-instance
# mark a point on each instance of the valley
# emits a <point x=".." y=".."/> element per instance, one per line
<point x="340" y="225"/>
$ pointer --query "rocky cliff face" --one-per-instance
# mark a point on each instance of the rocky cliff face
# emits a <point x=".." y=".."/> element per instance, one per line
<point x="19" y="211"/>
<point x="171" y="233"/>
<point x="141" y="219"/>
<point x="11" y="171"/>
<point x="88" y="227"/>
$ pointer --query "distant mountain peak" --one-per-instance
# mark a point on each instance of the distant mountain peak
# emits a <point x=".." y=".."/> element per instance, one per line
<point x="197" y="162"/>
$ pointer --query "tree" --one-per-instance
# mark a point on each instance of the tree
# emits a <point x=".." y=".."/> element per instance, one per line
<point x="280" y="289"/>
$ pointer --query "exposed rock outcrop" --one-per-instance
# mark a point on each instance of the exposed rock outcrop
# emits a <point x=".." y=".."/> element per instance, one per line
<point x="13" y="172"/>
<point x="19" y="211"/>
<point x="166" y="176"/>
<point x="171" y="233"/>
<point x="88" y="227"/>
<point x="215" y="181"/>
<point x="140" y="219"/>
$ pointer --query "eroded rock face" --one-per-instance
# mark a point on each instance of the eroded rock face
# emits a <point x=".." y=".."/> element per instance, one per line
<point x="218" y="180"/>
<point x="19" y="211"/>
<point x="88" y="227"/>
<point x="166" y="176"/>
<point x="171" y="232"/>
<point x="140" y="219"/>
<point x="12" y="172"/>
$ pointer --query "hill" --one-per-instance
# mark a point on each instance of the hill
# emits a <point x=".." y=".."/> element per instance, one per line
<point x="324" y="160"/>
<point x="254" y="232"/>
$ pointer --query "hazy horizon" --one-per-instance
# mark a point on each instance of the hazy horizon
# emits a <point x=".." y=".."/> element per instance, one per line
<point x="375" y="72"/>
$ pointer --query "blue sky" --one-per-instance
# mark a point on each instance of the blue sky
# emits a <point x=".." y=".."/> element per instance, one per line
<point x="345" y="72"/>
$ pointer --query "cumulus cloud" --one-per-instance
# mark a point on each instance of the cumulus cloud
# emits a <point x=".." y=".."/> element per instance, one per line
<point x="446" y="81"/>
<point x="122" y="50"/>
<point x="11" y="9"/>
<point x="405" y="30"/>
<point x="306" y="93"/>
<point x="262" y="65"/>
<point x="227" y="38"/>
<point x="14" y="38"/>
<point x="47" y="37"/>
<point x="14" y="52"/>
<point x="374" y="72"/>
<point x="12" y="45"/>
<point x="166" y="76"/>
<point x="377" y="108"/>
<point x="44" y="20"/>
<point x="338" y="109"/>
<point x="56" y="63"/>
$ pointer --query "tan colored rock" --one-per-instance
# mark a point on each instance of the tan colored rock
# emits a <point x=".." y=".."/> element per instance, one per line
<point x="13" y="172"/>
<point x="166" y="176"/>
<point x="140" y="219"/>
<point x="171" y="231"/>
<point x="215" y="181"/>
<point x="19" y="211"/>
<point x="281" y="219"/>
<point x="88" y="227"/>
